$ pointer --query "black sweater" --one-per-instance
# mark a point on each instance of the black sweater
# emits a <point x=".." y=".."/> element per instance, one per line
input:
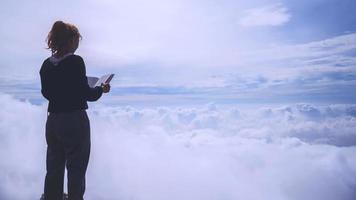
<point x="65" y="85"/>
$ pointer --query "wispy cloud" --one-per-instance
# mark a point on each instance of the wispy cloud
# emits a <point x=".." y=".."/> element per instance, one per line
<point x="321" y="70"/>
<point x="272" y="15"/>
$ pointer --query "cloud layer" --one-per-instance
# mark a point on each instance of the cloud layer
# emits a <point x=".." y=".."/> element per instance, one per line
<point x="207" y="152"/>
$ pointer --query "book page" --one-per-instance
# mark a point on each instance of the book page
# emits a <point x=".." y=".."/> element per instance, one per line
<point x="104" y="79"/>
<point x="92" y="81"/>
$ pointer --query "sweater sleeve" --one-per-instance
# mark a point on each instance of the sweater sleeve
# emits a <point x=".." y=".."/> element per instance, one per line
<point x="45" y="84"/>
<point x="88" y="93"/>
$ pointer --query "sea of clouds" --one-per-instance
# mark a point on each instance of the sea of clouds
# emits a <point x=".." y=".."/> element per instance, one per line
<point x="205" y="152"/>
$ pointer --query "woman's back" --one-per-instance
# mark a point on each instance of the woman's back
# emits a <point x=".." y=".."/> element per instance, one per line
<point x="64" y="84"/>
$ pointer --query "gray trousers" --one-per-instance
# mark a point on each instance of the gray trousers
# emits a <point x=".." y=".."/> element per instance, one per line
<point x="68" y="145"/>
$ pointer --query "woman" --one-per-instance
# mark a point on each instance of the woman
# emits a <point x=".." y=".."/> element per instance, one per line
<point x="64" y="85"/>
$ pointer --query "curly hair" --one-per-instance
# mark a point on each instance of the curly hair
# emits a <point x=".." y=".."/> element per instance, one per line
<point x="61" y="37"/>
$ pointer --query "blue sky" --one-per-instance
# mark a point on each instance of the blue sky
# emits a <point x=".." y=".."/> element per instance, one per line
<point x="181" y="51"/>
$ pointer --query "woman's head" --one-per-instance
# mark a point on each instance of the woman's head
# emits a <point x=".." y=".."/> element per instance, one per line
<point x="63" y="38"/>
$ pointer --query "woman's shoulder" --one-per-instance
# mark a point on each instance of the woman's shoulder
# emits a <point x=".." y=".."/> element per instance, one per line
<point x="75" y="62"/>
<point x="76" y="58"/>
<point x="44" y="65"/>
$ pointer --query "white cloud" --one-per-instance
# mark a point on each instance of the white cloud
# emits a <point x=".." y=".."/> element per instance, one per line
<point x="273" y="15"/>
<point x="205" y="152"/>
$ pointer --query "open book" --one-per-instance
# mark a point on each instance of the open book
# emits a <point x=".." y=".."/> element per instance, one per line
<point x="94" y="81"/>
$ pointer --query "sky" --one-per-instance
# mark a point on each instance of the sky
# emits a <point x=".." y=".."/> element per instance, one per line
<point x="193" y="51"/>
<point x="213" y="100"/>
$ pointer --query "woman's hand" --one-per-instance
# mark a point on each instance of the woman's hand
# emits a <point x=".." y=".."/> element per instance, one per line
<point x="106" y="87"/>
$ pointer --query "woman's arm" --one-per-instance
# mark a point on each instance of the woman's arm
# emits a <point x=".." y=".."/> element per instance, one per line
<point x="44" y="84"/>
<point x="88" y="93"/>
